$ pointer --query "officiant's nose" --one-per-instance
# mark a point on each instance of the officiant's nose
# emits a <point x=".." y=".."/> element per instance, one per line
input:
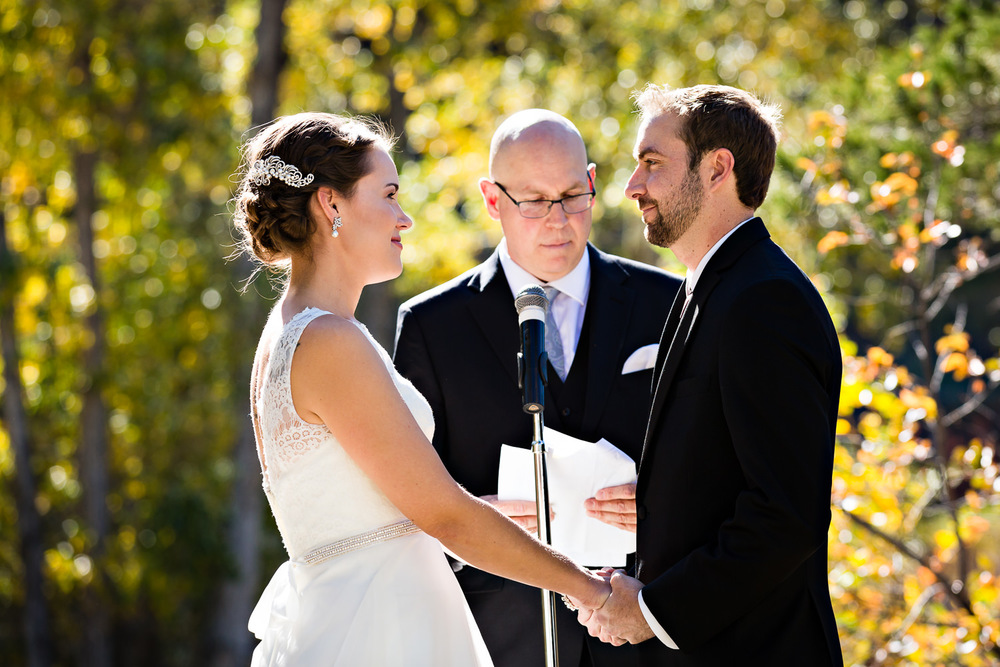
<point x="557" y="217"/>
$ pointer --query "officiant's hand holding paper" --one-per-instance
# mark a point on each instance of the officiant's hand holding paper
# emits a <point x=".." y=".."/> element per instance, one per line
<point x="521" y="512"/>
<point x="615" y="506"/>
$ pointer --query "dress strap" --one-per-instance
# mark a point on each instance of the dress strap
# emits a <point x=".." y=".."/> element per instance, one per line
<point x="355" y="542"/>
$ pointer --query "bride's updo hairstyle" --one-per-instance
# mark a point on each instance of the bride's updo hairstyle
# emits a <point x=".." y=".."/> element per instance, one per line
<point x="285" y="163"/>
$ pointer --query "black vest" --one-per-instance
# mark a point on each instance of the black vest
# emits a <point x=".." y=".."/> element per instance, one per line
<point x="564" y="399"/>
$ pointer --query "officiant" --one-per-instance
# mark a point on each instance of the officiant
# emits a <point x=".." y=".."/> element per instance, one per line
<point x="458" y="344"/>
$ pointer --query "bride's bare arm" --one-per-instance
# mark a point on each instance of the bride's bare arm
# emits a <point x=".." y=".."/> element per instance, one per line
<point x="339" y="379"/>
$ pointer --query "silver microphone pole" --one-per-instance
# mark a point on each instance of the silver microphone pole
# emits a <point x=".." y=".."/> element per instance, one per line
<point x="542" y="506"/>
<point x="532" y="304"/>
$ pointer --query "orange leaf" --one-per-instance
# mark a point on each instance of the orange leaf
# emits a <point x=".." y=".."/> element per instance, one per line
<point x="925" y="577"/>
<point x="880" y="357"/>
<point x="956" y="363"/>
<point x="902" y="182"/>
<point x="832" y="240"/>
<point x="805" y="164"/>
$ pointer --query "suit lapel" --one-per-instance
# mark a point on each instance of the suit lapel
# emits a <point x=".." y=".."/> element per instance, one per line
<point x="609" y="305"/>
<point x="678" y="330"/>
<point x="675" y="335"/>
<point x="495" y="313"/>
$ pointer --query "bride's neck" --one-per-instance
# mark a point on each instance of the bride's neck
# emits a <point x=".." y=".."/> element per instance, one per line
<point x="320" y="286"/>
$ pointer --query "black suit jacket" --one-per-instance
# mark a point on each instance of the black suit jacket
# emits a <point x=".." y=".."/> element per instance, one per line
<point x="735" y="476"/>
<point x="458" y="344"/>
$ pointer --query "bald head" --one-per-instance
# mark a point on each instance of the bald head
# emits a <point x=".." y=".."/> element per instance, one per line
<point x="538" y="156"/>
<point x="533" y="127"/>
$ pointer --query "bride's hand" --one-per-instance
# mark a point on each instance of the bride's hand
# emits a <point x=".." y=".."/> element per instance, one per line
<point x="599" y="591"/>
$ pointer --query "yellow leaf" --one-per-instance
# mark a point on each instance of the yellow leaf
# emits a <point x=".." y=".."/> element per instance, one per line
<point x="956" y="363"/>
<point x="35" y="291"/>
<point x="945" y="539"/>
<point x="957" y="342"/>
<point x="920" y="400"/>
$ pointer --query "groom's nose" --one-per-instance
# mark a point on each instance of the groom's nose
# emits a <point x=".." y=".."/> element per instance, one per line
<point x="636" y="185"/>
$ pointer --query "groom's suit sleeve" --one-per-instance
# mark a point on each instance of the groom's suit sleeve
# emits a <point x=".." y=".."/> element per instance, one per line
<point x="774" y="371"/>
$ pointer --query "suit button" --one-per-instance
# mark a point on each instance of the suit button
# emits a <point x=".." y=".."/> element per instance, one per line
<point x="640" y="512"/>
<point x="566" y="412"/>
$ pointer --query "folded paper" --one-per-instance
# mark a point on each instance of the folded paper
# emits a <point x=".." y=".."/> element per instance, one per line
<point x="576" y="471"/>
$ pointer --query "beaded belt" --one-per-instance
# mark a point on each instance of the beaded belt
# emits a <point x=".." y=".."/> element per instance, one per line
<point x="355" y="542"/>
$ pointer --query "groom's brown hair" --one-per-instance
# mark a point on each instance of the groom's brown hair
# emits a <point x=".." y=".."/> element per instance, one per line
<point x="721" y="117"/>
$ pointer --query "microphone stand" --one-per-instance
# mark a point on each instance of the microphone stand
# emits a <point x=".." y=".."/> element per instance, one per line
<point x="551" y="638"/>
<point x="532" y="375"/>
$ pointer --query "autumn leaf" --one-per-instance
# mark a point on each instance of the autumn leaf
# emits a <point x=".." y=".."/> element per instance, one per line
<point x="879" y="357"/>
<point x="832" y="240"/>
<point x="806" y="165"/>
<point x="957" y="342"/>
<point x="919" y="400"/>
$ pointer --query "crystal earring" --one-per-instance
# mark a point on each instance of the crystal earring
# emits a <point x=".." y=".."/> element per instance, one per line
<point x="337" y="224"/>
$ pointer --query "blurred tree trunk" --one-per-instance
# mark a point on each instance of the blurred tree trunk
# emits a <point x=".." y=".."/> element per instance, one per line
<point x="93" y="450"/>
<point x="233" y="643"/>
<point x="29" y="524"/>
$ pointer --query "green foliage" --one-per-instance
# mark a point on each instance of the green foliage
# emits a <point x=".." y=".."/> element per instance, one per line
<point x="897" y="171"/>
<point x="885" y="193"/>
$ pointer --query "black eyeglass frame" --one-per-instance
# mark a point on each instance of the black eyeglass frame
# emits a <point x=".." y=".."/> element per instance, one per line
<point x="592" y="194"/>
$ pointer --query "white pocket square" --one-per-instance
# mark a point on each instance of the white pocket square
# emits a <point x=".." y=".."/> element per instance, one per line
<point x="641" y="359"/>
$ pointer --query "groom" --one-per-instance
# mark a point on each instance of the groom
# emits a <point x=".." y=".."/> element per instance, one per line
<point x="733" y="496"/>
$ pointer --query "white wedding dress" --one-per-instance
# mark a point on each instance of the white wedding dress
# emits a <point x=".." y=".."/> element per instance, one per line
<point x="379" y="591"/>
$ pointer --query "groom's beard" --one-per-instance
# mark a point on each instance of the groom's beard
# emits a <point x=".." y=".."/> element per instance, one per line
<point x="674" y="218"/>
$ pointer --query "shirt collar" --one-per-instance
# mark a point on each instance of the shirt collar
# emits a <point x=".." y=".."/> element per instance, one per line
<point x="692" y="278"/>
<point x="575" y="284"/>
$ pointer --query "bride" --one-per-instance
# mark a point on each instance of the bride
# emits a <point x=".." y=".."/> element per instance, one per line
<point x="362" y="501"/>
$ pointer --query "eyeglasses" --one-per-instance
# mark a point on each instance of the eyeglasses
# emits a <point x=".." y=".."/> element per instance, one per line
<point x="539" y="208"/>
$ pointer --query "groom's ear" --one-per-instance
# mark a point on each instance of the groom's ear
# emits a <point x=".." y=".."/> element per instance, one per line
<point x="720" y="167"/>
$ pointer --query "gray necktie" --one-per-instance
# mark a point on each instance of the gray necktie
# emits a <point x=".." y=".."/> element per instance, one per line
<point x="553" y="342"/>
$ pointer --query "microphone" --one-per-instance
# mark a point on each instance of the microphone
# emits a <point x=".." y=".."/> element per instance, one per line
<point x="532" y="367"/>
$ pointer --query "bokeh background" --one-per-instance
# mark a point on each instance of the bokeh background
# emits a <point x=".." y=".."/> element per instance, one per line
<point x="132" y="523"/>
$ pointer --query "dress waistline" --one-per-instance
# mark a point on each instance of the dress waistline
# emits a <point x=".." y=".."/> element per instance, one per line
<point x="360" y="541"/>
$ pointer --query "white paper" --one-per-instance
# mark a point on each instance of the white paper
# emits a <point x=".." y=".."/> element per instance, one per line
<point x="576" y="471"/>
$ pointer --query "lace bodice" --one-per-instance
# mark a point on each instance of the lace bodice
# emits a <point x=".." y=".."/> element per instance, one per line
<point x="316" y="492"/>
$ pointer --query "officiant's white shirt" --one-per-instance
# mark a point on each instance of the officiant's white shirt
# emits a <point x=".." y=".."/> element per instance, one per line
<point x="569" y="306"/>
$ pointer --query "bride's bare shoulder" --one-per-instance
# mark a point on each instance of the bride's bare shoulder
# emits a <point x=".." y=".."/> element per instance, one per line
<point x="333" y="340"/>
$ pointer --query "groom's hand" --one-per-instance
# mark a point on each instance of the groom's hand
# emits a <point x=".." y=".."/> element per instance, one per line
<point x="522" y="512"/>
<point x="620" y="620"/>
<point x="614" y="505"/>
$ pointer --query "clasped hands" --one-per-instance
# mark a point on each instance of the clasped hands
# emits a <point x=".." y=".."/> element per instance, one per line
<point x="619" y="620"/>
